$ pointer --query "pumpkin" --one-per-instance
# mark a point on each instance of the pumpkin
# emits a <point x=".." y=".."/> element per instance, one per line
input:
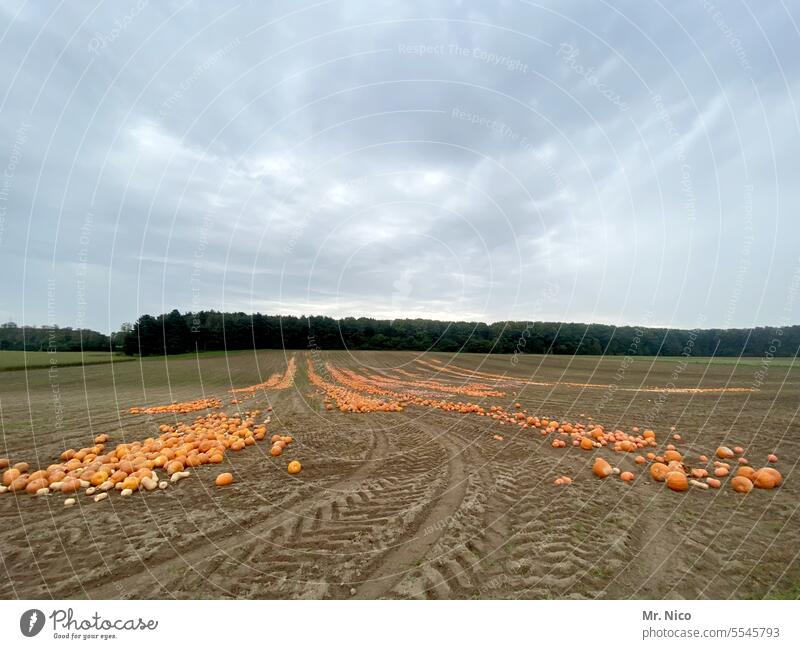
<point x="601" y="468"/>
<point x="626" y="476"/>
<point x="677" y="481"/>
<point x="22" y="467"/>
<point x="4" y="462"/>
<point x="639" y="459"/>
<point x="676" y="466"/>
<point x="34" y="485"/>
<point x="713" y="483"/>
<point x="98" y="478"/>
<point x="70" y="485"/>
<point x="276" y="450"/>
<point x="294" y="467"/>
<point x="724" y="453"/>
<point x="767" y="478"/>
<point x="770" y="458"/>
<point x="627" y="446"/>
<point x="131" y="482"/>
<point x="174" y="467"/>
<point x="741" y="485"/>
<point x="224" y="479"/>
<point x="738" y="450"/>
<point x="587" y="444"/>
<point x="275" y="438"/>
<point x="10" y="475"/>
<point x="673" y="456"/>
<point x="658" y="471"/>
<point x="721" y="471"/>
<point x="18" y="484"/>
<point x="746" y="472"/>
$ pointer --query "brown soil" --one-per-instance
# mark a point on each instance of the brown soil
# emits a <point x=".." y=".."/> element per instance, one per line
<point x="417" y="504"/>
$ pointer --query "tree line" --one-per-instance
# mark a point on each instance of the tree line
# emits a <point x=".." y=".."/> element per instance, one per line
<point x="51" y="338"/>
<point x="175" y="333"/>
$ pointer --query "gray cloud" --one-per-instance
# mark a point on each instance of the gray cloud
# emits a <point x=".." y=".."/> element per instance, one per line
<point x="445" y="159"/>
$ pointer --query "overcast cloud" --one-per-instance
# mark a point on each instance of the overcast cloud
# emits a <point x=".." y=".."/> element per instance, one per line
<point x="621" y="163"/>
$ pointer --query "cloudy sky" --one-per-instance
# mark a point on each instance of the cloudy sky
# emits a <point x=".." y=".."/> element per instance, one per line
<point x="618" y="162"/>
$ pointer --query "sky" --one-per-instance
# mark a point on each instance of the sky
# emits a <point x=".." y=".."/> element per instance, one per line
<point x="623" y="163"/>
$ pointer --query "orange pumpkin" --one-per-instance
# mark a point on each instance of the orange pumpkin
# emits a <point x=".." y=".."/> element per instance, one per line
<point x="294" y="467"/>
<point x="724" y="453"/>
<point x="276" y="450"/>
<point x="677" y="481"/>
<point x="98" y="478"/>
<point x="10" y="475"/>
<point x="131" y="482"/>
<point x="746" y="472"/>
<point x="174" y="467"/>
<point x="767" y="478"/>
<point x="224" y="479"/>
<point x="626" y="476"/>
<point x="34" y="485"/>
<point x="741" y="485"/>
<point x="770" y="458"/>
<point x="4" y="462"/>
<point x="19" y="483"/>
<point x="601" y="468"/>
<point x="713" y="483"/>
<point x="587" y="444"/>
<point x="659" y="471"/>
<point x="673" y="456"/>
<point x="69" y="485"/>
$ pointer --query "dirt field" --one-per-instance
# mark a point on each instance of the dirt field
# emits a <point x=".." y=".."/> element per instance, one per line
<point x="14" y="360"/>
<point x="422" y="503"/>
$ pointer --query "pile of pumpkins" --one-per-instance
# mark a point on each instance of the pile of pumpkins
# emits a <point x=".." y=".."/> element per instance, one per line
<point x="183" y="407"/>
<point x="347" y="400"/>
<point x="670" y="469"/>
<point x="467" y="389"/>
<point x="277" y="381"/>
<point x="134" y="466"/>
<point x="351" y="384"/>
